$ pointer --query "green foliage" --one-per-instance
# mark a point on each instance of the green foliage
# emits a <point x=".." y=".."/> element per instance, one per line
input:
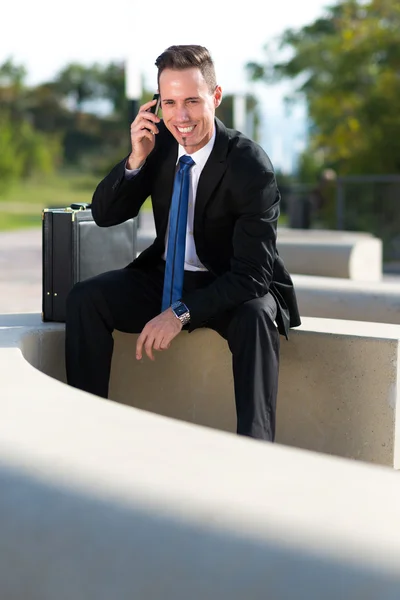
<point x="79" y="83"/>
<point x="12" y="76"/>
<point x="23" y="148"/>
<point x="82" y="83"/>
<point x="309" y="167"/>
<point x="37" y="152"/>
<point x="65" y="122"/>
<point x="346" y="64"/>
<point x="112" y="79"/>
<point x="50" y="125"/>
<point x="24" y="151"/>
<point x="10" y="166"/>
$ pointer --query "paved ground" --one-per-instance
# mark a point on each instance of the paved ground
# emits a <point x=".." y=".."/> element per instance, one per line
<point x="21" y="269"/>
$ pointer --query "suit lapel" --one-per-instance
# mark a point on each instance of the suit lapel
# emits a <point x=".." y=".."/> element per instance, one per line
<point x="166" y="177"/>
<point x="212" y="172"/>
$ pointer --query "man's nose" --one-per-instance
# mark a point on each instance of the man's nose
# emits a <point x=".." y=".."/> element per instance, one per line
<point x="182" y="113"/>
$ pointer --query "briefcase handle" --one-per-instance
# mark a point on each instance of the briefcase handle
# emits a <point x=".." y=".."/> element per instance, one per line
<point x="80" y="205"/>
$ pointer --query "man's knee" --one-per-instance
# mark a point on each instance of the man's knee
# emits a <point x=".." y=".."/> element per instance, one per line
<point x="80" y="295"/>
<point x="257" y="310"/>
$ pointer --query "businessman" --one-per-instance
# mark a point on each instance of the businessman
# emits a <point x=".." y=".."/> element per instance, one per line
<point x="214" y="261"/>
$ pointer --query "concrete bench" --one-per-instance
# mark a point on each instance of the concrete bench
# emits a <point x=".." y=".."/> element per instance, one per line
<point x="322" y="233"/>
<point x="102" y="500"/>
<point x="338" y="387"/>
<point x="356" y="256"/>
<point x="332" y="298"/>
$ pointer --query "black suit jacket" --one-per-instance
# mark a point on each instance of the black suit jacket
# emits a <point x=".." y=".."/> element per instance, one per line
<point x="236" y="213"/>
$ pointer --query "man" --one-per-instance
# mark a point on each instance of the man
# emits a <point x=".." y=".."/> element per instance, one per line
<point x="219" y="269"/>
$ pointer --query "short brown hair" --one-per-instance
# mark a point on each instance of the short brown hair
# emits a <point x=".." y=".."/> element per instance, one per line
<point x="187" y="57"/>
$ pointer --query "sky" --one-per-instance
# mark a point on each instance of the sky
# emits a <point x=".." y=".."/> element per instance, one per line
<point x="45" y="36"/>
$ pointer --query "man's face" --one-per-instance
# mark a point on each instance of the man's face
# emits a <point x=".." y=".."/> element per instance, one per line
<point x="188" y="107"/>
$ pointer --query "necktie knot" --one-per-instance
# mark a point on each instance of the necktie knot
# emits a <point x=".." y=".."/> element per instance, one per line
<point x="186" y="161"/>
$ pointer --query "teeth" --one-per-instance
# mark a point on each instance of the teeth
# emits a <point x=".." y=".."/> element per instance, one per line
<point x="185" y="129"/>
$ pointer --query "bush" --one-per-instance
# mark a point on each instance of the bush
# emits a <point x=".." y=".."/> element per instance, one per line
<point x="25" y="151"/>
<point x="10" y="164"/>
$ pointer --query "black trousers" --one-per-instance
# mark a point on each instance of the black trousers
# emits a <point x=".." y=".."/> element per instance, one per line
<point x="127" y="299"/>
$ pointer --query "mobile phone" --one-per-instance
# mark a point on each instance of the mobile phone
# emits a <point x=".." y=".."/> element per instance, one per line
<point x="154" y="109"/>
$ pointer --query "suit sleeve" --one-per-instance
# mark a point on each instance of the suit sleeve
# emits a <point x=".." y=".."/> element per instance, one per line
<point x="254" y="252"/>
<point x="118" y="198"/>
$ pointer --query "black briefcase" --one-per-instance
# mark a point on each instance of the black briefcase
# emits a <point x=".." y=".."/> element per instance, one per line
<point x="74" y="248"/>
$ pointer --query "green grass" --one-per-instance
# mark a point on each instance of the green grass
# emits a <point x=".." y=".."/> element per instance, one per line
<point x="57" y="190"/>
<point x="22" y="205"/>
<point x="12" y="221"/>
<point x="282" y="221"/>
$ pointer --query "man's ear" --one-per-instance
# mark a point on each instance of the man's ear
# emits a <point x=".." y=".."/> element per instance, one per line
<point x="217" y="96"/>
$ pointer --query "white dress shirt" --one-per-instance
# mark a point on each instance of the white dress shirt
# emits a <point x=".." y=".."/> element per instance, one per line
<point x="192" y="261"/>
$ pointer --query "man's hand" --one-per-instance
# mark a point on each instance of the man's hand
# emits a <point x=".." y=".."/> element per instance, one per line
<point x="158" y="334"/>
<point x="143" y="132"/>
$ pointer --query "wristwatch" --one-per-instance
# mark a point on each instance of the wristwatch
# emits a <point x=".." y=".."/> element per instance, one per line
<point x="181" y="311"/>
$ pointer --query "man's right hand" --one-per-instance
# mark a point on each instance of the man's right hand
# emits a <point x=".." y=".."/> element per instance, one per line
<point x="143" y="132"/>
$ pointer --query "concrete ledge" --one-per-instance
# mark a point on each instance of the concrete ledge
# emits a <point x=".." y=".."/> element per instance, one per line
<point x="328" y="297"/>
<point x="103" y="501"/>
<point x="322" y="233"/>
<point x="357" y="258"/>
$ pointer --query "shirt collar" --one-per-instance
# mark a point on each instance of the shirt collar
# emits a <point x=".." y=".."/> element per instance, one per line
<point x="201" y="156"/>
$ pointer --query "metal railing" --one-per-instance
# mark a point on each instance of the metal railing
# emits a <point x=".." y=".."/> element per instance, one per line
<point x="354" y="179"/>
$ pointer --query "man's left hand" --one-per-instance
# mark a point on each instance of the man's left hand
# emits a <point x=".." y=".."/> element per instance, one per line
<point x="158" y="334"/>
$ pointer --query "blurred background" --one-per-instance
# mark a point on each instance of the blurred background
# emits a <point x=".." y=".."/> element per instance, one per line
<point x="316" y="84"/>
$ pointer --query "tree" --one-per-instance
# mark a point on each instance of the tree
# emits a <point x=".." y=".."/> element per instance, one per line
<point x="25" y="151"/>
<point x="10" y="166"/>
<point x="346" y="65"/>
<point x="12" y="87"/>
<point x="12" y="76"/>
<point x="23" y="148"/>
<point x="79" y="83"/>
<point x="113" y="87"/>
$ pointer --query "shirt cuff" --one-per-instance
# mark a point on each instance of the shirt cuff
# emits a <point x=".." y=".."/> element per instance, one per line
<point x="130" y="173"/>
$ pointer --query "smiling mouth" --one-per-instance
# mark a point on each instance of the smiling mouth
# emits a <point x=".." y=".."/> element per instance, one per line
<point x="185" y="130"/>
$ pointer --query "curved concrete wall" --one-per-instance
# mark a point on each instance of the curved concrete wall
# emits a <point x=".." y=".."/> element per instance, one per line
<point x="338" y="385"/>
<point x="103" y="501"/>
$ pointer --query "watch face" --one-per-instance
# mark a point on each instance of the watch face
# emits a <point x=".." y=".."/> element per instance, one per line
<point x="180" y="309"/>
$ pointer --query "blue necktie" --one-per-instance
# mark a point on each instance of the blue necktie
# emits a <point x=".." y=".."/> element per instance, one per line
<point x="174" y="268"/>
